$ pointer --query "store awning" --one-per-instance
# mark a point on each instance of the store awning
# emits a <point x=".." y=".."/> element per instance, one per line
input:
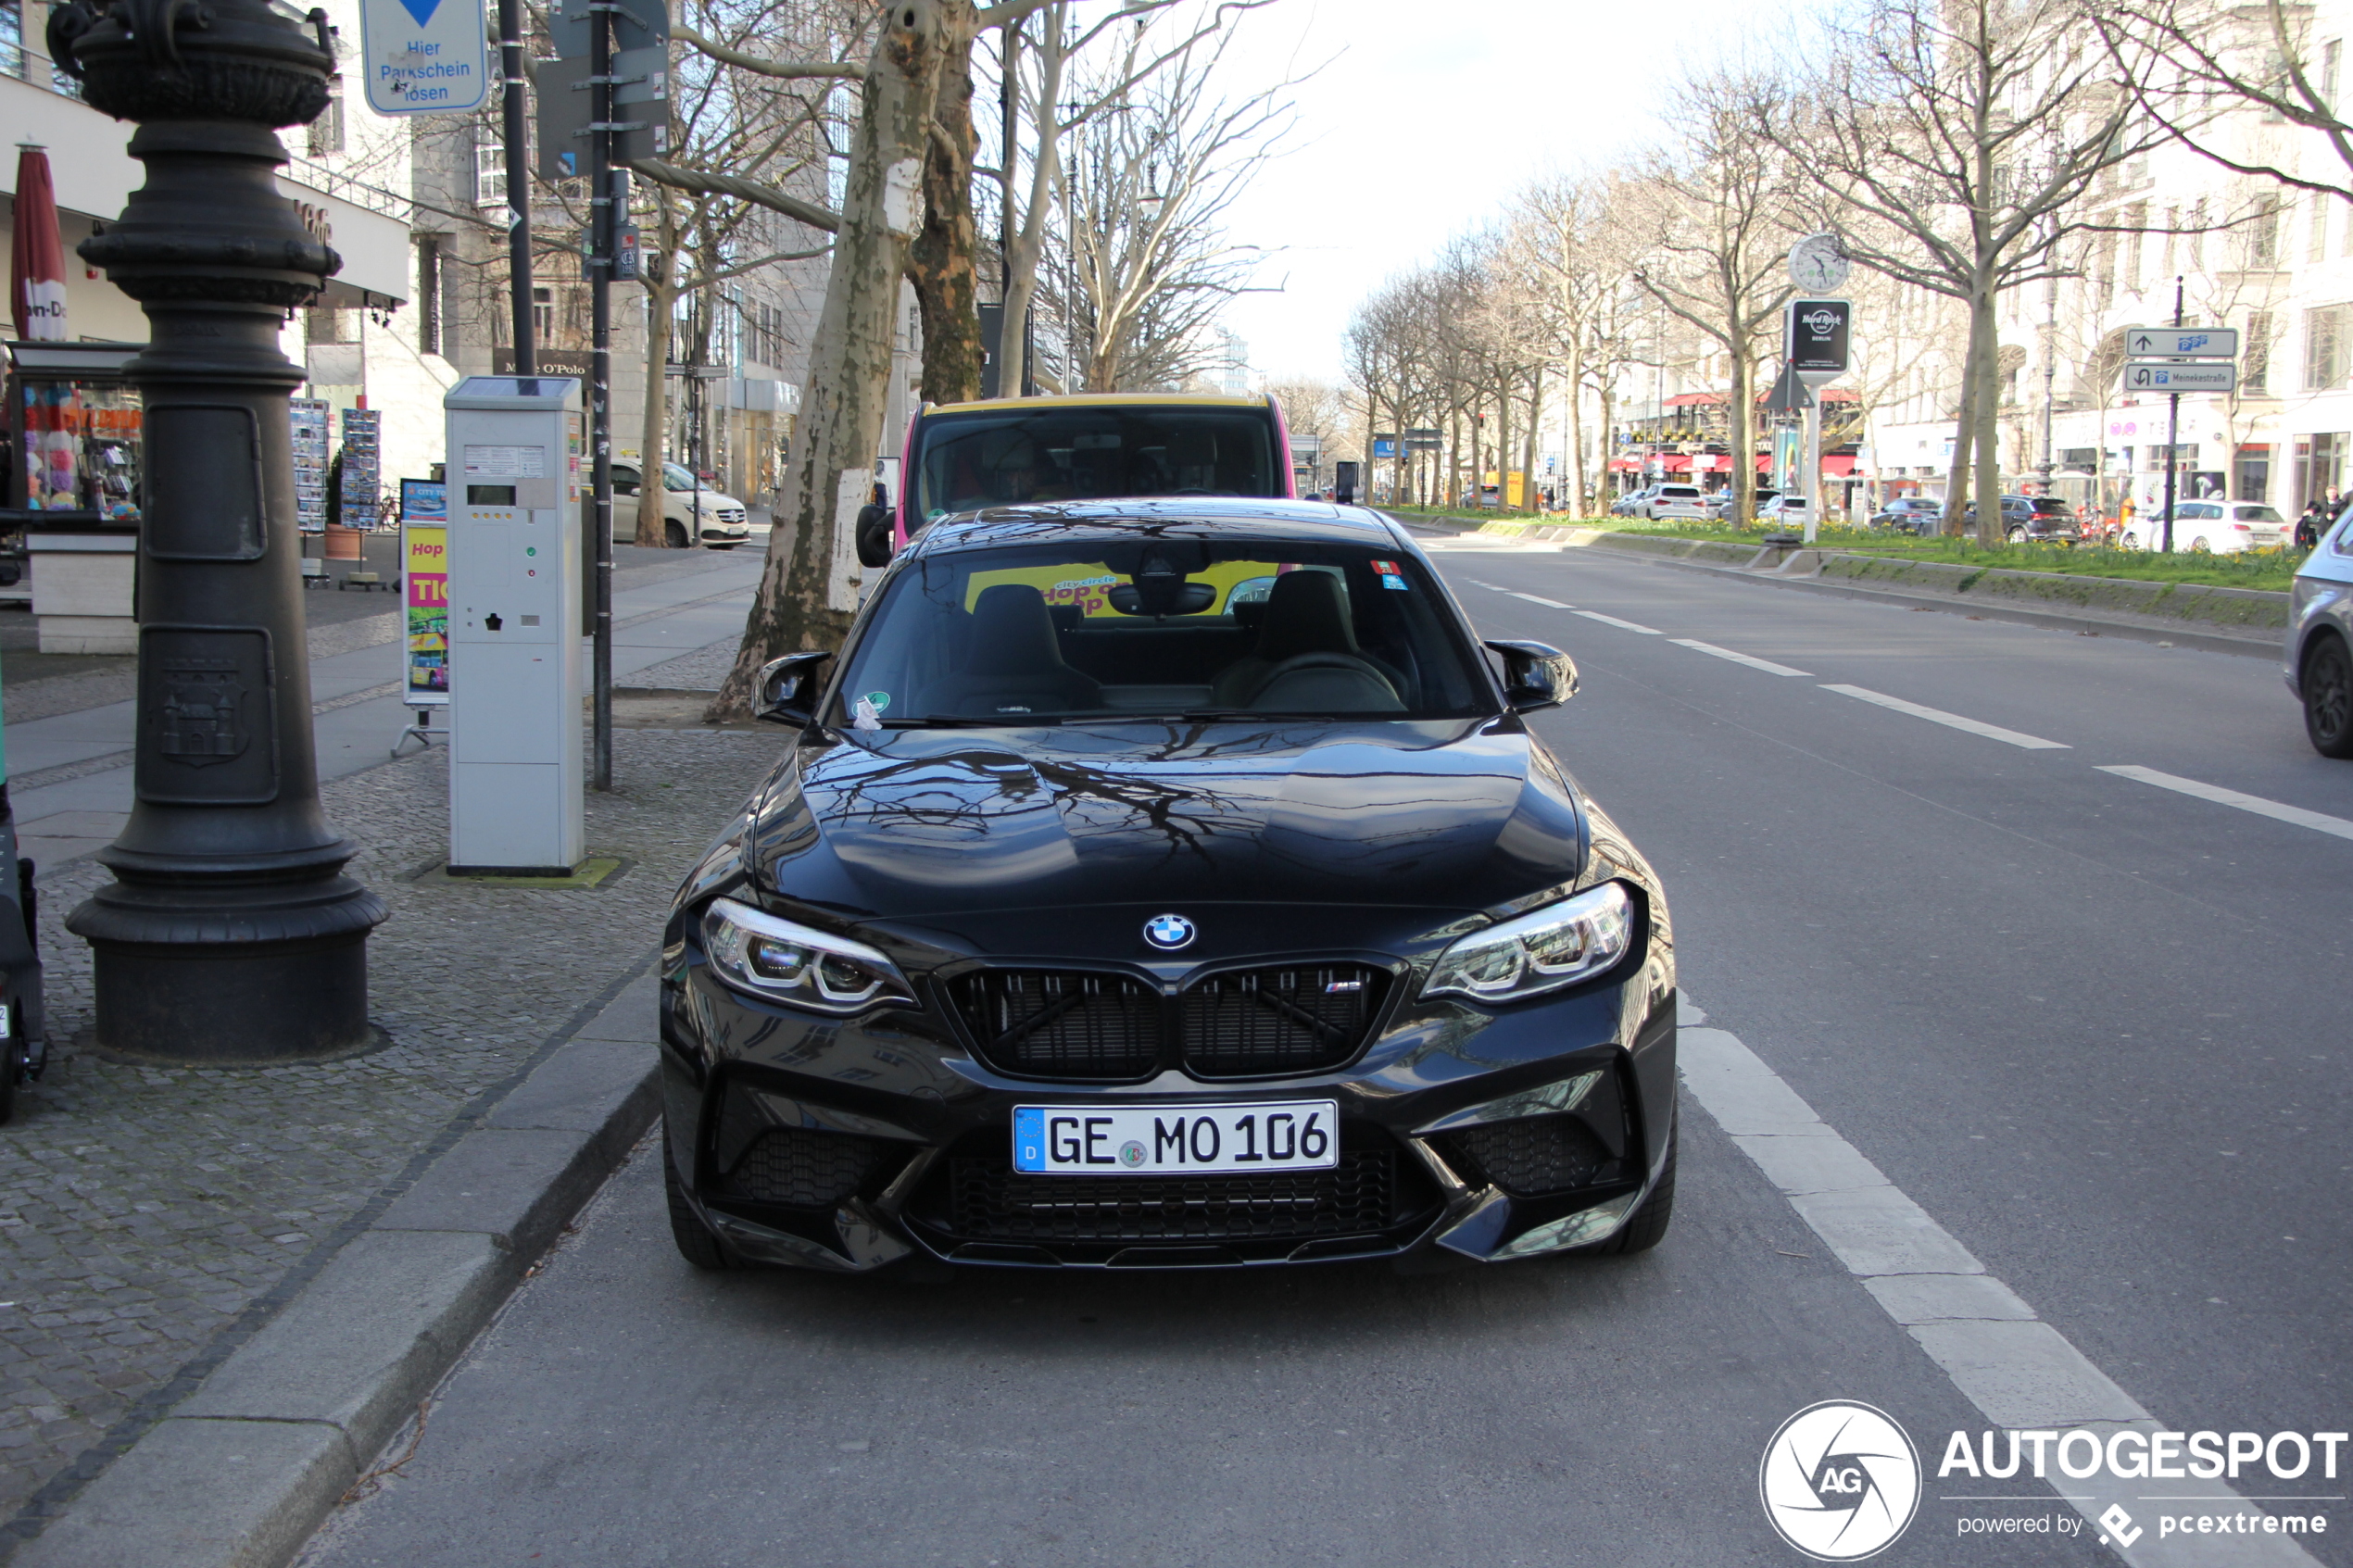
<point x="1625" y="465"/>
<point x="1694" y="399"/>
<point x="1674" y="462"/>
<point x="1838" y="465"/>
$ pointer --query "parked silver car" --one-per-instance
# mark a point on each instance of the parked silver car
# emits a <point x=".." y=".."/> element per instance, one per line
<point x="2318" y="663"/>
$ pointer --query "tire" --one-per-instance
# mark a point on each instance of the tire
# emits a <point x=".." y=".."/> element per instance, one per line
<point x="13" y="1064"/>
<point x="2015" y="536"/>
<point x="2131" y="541"/>
<point x="673" y="535"/>
<point x="1647" y="1227"/>
<point x="696" y="1241"/>
<point x="2327" y="684"/>
<point x="2199" y="546"/>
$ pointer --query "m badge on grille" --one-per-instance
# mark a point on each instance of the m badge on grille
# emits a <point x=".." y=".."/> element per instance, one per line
<point x="1169" y="932"/>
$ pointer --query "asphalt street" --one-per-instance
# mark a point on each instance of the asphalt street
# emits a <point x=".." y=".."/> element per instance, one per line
<point x="2090" y="1022"/>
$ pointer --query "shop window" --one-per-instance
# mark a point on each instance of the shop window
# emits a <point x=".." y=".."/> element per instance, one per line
<point x="490" y="175"/>
<point x="542" y="315"/>
<point x="2255" y="362"/>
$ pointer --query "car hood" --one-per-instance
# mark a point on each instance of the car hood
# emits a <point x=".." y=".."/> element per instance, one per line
<point x="1442" y="816"/>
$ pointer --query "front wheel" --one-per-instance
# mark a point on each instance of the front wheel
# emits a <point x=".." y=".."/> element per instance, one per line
<point x="695" y="1240"/>
<point x="2199" y="545"/>
<point x="2015" y="536"/>
<point x="675" y="536"/>
<point x="1647" y="1226"/>
<point x="2328" y="697"/>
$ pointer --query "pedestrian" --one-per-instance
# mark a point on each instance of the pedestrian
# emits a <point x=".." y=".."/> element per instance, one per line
<point x="2307" y="527"/>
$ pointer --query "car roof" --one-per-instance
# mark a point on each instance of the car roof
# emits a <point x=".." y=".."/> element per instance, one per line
<point x="1099" y="400"/>
<point x="1123" y="517"/>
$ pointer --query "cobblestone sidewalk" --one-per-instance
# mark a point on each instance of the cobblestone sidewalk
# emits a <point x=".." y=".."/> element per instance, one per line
<point x="143" y="1208"/>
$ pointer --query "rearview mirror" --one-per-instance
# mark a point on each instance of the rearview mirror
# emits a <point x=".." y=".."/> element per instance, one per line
<point x="787" y="690"/>
<point x="1536" y="675"/>
<point x="873" y="536"/>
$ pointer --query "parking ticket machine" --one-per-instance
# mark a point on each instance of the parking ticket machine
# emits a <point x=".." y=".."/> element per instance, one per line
<point x="516" y="771"/>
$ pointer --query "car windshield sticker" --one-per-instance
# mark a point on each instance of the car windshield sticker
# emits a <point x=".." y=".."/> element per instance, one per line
<point x="1390" y="576"/>
<point x="863" y="715"/>
<point x="878" y="701"/>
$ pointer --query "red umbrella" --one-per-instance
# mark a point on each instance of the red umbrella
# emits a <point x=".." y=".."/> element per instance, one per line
<point x="37" y="266"/>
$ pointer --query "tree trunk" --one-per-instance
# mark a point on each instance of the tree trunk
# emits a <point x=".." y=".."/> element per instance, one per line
<point x="1528" y="445"/>
<point x="1958" y="473"/>
<point x="1741" y="416"/>
<point x="1990" y="522"/>
<point x="1573" y="429"/>
<point x="809" y="585"/>
<point x="662" y="297"/>
<point x="940" y="263"/>
<point x="1029" y="241"/>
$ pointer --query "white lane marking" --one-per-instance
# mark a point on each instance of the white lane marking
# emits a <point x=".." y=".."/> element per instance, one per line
<point x="1938" y="716"/>
<point x="1490" y="587"/>
<point x="1538" y="600"/>
<point x="1621" y="626"/>
<point x="2016" y="1369"/>
<point x="1753" y="662"/>
<point x="2319" y="822"/>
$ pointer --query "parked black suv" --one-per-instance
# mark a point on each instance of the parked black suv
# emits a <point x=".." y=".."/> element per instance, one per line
<point x="1166" y="884"/>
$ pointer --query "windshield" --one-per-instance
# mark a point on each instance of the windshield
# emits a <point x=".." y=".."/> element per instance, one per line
<point x="674" y="477"/>
<point x="2260" y="514"/>
<point x="1163" y="627"/>
<point x="992" y="459"/>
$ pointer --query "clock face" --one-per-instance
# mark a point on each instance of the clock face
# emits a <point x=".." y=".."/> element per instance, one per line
<point x="1817" y="263"/>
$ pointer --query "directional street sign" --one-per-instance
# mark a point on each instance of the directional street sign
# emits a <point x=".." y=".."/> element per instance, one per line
<point x="2171" y="375"/>
<point x="424" y="56"/>
<point x="2182" y="343"/>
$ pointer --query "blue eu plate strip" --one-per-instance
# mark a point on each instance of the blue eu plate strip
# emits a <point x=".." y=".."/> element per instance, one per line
<point x="1029" y="1138"/>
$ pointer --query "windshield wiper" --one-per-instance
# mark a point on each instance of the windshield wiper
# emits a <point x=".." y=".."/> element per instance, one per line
<point x="963" y="721"/>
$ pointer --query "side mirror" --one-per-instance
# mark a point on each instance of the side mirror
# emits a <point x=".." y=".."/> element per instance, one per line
<point x="873" y="536"/>
<point x="787" y="690"/>
<point x="1536" y="675"/>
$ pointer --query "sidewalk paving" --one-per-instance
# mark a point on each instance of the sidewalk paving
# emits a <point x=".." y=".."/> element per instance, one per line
<point x="151" y="1218"/>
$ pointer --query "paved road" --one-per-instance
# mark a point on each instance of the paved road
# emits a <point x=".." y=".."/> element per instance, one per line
<point x="2088" y="1024"/>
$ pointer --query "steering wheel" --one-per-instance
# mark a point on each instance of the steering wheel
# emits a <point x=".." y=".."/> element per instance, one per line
<point x="1303" y="662"/>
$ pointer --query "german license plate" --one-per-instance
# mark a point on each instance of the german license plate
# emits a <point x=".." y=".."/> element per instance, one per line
<point x="1144" y="1140"/>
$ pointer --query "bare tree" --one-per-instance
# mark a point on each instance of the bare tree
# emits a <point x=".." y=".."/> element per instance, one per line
<point x="1720" y="213"/>
<point x="2189" y="63"/>
<point x="1968" y="131"/>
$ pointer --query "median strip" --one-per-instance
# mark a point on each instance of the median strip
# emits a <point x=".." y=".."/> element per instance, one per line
<point x="1621" y="626"/>
<point x="2319" y="822"/>
<point x="1951" y="720"/>
<point x="1751" y="661"/>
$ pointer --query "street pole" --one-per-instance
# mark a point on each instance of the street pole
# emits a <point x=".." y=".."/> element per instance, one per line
<point x="1813" y="463"/>
<point x="602" y="223"/>
<point x="517" y="134"/>
<point x="230" y="933"/>
<point x="2172" y="432"/>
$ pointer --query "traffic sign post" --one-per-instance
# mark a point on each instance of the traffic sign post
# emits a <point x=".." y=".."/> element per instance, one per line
<point x="2173" y="360"/>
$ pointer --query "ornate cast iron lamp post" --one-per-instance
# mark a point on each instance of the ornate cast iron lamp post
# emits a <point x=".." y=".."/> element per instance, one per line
<point x="230" y="933"/>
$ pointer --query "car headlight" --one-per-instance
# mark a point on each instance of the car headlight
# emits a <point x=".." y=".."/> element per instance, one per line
<point x="780" y="962"/>
<point x="1542" y="950"/>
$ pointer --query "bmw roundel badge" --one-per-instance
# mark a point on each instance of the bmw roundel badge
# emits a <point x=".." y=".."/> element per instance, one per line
<point x="1168" y="933"/>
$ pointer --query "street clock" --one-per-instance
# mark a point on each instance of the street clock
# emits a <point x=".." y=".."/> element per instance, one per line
<point x="1817" y="263"/>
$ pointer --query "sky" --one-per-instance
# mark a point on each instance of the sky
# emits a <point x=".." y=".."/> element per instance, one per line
<point x="1431" y="114"/>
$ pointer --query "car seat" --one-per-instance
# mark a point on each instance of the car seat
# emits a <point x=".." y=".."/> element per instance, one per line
<point x="1015" y="664"/>
<point x="1305" y="617"/>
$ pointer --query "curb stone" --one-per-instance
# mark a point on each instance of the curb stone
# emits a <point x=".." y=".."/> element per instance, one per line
<point x="245" y="1468"/>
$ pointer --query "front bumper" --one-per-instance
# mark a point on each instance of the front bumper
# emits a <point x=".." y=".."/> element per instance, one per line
<point x="885" y="1141"/>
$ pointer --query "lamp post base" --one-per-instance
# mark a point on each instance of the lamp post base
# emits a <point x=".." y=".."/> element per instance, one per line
<point x="233" y="1006"/>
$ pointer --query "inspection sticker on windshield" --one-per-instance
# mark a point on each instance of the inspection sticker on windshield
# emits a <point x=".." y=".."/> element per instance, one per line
<point x="1390" y="576"/>
<point x="1148" y="1140"/>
